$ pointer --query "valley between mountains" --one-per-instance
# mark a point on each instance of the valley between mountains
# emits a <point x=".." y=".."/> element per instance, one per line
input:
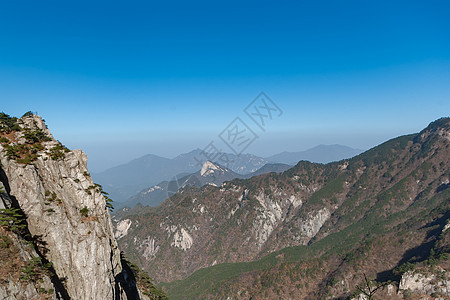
<point x="314" y="231"/>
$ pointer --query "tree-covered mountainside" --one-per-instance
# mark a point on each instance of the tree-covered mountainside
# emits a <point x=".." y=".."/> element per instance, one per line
<point x="310" y="232"/>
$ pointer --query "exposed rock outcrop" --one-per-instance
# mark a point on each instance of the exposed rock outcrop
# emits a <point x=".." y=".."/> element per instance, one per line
<point x="431" y="283"/>
<point x="66" y="213"/>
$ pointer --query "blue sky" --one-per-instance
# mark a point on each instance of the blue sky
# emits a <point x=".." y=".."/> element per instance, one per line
<point x="122" y="79"/>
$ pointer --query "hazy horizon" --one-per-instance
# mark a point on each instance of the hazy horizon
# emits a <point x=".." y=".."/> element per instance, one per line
<point x="121" y="81"/>
<point x="106" y="167"/>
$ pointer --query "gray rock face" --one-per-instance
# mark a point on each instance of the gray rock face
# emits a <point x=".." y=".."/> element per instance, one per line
<point x="15" y="290"/>
<point x="67" y="213"/>
<point x="426" y="283"/>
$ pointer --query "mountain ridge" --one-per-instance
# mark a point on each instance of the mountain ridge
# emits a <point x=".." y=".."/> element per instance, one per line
<point x="318" y="154"/>
<point x="304" y="209"/>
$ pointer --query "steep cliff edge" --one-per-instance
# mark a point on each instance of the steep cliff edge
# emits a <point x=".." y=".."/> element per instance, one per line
<point x="66" y="213"/>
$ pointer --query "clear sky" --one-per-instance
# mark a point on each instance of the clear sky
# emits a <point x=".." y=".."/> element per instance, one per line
<point x="120" y="79"/>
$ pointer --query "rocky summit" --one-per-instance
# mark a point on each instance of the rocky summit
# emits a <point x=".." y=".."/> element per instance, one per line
<point x="57" y="240"/>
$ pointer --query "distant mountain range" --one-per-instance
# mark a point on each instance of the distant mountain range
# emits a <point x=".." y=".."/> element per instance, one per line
<point x="127" y="180"/>
<point x="210" y="173"/>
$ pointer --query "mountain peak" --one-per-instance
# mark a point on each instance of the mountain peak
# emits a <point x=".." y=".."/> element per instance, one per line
<point x="209" y="168"/>
<point x="438" y="125"/>
<point x="438" y="128"/>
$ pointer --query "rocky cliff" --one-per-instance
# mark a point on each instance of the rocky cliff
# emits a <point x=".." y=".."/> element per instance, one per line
<point x="65" y="213"/>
